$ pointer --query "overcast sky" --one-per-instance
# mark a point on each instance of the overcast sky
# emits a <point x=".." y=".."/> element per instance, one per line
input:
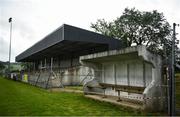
<point x="34" y="19"/>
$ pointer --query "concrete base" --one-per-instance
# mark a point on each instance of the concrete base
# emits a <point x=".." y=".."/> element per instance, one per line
<point x="113" y="100"/>
<point x="64" y="90"/>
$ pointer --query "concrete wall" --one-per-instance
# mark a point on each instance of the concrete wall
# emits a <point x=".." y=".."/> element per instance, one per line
<point x="64" y="72"/>
<point x="127" y="72"/>
<point x="133" y="66"/>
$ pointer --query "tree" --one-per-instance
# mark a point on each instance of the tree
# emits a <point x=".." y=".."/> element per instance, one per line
<point x="2" y="66"/>
<point x="138" y="27"/>
<point x="27" y="66"/>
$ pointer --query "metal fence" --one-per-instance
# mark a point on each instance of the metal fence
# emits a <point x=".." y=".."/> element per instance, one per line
<point x="53" y="79"/>
<point x="58" y="79"/>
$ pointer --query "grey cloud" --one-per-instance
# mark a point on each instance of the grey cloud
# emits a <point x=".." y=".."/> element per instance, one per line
<point x="3" y="46"/>
<point x="4" y="49"/>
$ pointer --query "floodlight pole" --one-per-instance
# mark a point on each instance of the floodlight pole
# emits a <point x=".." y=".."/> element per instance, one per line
<point x="9" y="69"/>
<point x="172" y="80"/>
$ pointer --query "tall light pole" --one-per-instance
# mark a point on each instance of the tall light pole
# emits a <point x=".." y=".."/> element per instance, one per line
<point x="172" y="80"/>
<point x="10" y="21"/>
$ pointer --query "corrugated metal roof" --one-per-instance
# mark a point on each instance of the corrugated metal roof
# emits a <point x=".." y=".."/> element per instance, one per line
<point x="70" y="41"/>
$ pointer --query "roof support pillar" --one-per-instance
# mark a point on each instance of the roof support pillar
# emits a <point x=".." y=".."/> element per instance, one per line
<point x="34" y="67"/>
<point x="45" y="63"/>
<point x="128" y="79"/>
<point x="144" y="74"/>
<point x="41" y="65"/>
<point x="51" y="63"/>
<point x="114" y="71"/>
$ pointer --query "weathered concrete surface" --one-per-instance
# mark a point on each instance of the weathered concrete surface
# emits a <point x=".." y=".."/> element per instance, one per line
<point x="64" y="90"/>
<point x="93" y="86"/>
<point x="133" y="66"/>
<point x="61" y="77"/>
<point x="113" y="101"/>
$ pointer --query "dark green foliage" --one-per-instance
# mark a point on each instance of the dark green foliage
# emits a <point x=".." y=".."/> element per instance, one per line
<point x="2" y="66"/>
<point x="138" y="27"/>
<point x="27" y="66"/>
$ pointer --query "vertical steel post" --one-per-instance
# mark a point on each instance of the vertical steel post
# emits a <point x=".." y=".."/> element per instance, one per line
<point x="45" y="63"/>
<point x="34" y="66"/>
<point x="128" y="80"/>
<point x="173" y="103"/>
<point x="41" y="65"/>
<point x="144" y="74"/>
<point x="10" y="21"/>
<point x="51" y="63"/>
<point x="115" y="78"/>
<point x="168" y="70"/>
<point x="50" y="73"/>
<point x="103" y="74"/>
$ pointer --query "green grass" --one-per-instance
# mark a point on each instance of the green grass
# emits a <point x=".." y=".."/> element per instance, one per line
<point x="17" y="98"/>
<point x="22" y="99"/>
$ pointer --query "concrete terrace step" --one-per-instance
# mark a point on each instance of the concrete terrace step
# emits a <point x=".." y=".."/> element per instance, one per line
<point x="114" y="101"/>
<point x="64" y="90"/>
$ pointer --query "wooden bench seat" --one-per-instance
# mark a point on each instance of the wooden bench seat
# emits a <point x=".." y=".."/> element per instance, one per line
<point x="130" y="89"/>
<point x="124" y="88"/>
